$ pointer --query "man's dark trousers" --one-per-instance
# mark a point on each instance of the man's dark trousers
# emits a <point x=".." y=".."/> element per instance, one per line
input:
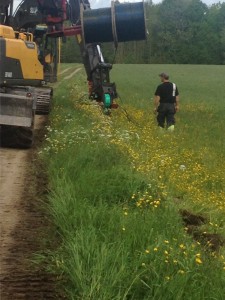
<point x="166" y="112"/>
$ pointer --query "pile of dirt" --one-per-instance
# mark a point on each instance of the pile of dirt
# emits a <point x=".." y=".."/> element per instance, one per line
<point x="193" y="222"/>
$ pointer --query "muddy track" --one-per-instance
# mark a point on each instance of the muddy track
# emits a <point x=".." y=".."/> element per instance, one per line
<point x="22" y="224"/>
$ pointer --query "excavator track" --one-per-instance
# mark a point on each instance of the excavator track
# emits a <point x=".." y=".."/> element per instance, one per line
<point x="44" y="97"/>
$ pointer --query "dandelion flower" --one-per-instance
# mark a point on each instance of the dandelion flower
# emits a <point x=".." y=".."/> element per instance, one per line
<point x="198" y="260"/>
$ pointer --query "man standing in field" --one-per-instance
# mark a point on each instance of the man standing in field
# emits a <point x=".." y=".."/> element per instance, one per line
<point x="166" y="102"/>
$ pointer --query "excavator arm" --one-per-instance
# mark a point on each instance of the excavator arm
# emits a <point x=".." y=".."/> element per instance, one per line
<point x="55" y="14"/>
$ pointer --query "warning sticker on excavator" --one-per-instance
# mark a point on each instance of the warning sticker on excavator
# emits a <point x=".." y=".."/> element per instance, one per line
<point x="8" y="74"/>
<point x="30" y="45"/>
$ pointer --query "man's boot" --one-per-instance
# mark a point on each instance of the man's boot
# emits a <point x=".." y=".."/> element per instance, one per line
<point x="171" y="128"/>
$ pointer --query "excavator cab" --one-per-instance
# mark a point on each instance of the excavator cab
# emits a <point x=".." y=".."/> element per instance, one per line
<point x="48" y="52"/>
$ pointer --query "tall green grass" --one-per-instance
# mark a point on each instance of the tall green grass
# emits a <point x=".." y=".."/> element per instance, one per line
<point x="108" y="248"/>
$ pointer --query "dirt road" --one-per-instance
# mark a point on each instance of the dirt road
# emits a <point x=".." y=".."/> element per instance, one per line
<point x="22" y="223"/>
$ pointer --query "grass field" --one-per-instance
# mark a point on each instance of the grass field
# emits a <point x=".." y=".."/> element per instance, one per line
<point x="137" y="213"/>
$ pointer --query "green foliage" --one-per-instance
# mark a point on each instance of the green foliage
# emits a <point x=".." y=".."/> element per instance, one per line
<point x="70" y="51"/>
<point x="186" y="32"/>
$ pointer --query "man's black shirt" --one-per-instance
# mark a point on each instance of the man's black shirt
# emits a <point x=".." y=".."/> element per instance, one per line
<point x="167" y="91"/>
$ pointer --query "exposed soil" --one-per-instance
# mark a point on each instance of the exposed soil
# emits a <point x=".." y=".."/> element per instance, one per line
<point x="192" y="219"/>
<point x="22" y="224"/>
<point x="193" y="222"/>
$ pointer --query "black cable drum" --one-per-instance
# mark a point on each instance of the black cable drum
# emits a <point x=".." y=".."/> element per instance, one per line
<point x="121" y="23"/>
<point x="130" y="22"/>
<point x="97" y="25"/>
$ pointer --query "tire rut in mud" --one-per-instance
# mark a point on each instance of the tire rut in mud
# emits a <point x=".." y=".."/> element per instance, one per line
<point x="19" y="277"/>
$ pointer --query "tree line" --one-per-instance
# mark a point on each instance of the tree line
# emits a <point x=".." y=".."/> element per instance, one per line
<point x="178" y="32"/>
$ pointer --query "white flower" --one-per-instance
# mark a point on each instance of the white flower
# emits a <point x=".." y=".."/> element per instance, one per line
<point x="182" y="167"/>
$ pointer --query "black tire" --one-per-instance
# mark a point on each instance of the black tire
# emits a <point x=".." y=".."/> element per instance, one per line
<point x="16" y="137"/>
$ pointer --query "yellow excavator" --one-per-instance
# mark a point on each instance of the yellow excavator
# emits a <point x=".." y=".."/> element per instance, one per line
<point x="23" y="89"/>
<point x="29" y="55"/>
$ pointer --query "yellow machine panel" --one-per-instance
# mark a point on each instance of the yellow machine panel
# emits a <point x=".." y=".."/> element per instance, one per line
<point x="7" y="32"/>
<point x="26" y="53"/>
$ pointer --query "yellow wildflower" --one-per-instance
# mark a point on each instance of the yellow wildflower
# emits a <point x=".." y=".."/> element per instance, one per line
<point x="175" y="261"/>
<point x="198" y="260"/>
<point x="167" y="277"/>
